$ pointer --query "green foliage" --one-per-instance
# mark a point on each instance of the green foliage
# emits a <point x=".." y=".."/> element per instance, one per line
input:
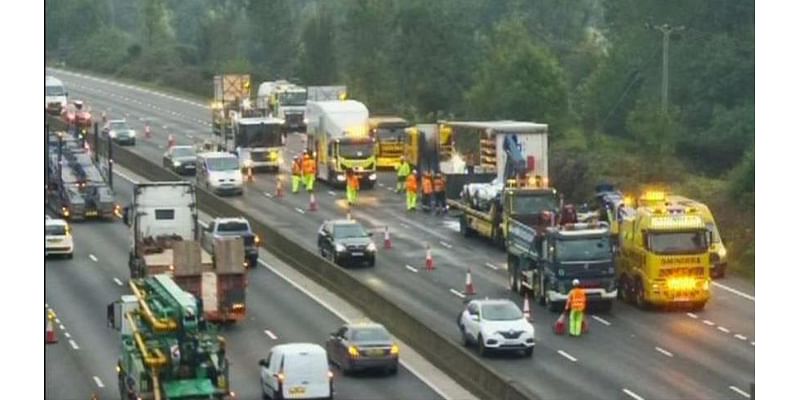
<point x="105" y="51"/>
<point x="317" y="55"/>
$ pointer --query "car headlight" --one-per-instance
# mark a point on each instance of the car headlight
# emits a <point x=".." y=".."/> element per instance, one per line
<point x="340" y="178"/>
<point x="132" y="133"/>
<point x="373" y="176"/>
<point x="176" y="164"/>
<point x="371" y="247"/>
<point x="340" y="248"/>
<point x="113" y="134"/>
<point x="305" y="120"/>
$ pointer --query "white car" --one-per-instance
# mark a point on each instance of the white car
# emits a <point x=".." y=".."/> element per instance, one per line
<point x="58" y="238"/>
<point x="496" y="325"/>
<point x="220" y="173"/>
<point x="296" y="371"/>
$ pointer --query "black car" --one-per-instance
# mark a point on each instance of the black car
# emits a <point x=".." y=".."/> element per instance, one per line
<point x="363" y="346"/>
<point x="181" y="159"/>
<point x="346" y="242"/>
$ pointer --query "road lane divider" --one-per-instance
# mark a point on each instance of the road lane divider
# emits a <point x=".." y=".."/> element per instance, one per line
<point x="734" y="291"/>
<point x="600" y="320"/>
<point x="723" y="329"/>
<point x="632" y="394"/>
<point x="74" y="345"/>
<point x="92" y="257"/>
<point x="98" y="382"/>
<point x="270" y="334"/>
<point x="457" y="293"/>
<point x="740" y="336"/>
<point x="707" y="322"/>
<point x="664" y="352"/>
<point x="412" y="269"/>
<point x="739" y="391"/>
<point x="567" y="356"/>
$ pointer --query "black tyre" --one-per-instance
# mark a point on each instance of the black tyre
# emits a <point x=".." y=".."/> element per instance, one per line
<point x="482" y="350"/>
<point x="539" y="293"/>
<point x="624" y="292"/>
<point x="69" y="256"/>
<point x="638" y="294"/>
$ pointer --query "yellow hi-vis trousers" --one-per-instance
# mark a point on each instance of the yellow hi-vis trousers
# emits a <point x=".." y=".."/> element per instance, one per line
<point x="296" y="183"/>
<point x="309" y="180"/>
<point x="411" y="200"/>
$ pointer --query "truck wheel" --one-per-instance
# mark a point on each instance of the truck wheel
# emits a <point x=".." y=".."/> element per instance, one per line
<point x="698" y="306"/>
<point x="551" y="305"/>
<point x="638" y="293"/>
<point x="624" y="290"/>
<point x="529" y="352"/>
<point x="482" y="350"/>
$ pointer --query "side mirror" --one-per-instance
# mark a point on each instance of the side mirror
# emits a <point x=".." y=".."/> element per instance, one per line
<point x="126" y="215"/>
<point x="263" y="362"/>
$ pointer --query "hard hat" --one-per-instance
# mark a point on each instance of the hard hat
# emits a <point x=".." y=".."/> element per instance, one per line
<point x="575" y="282"/>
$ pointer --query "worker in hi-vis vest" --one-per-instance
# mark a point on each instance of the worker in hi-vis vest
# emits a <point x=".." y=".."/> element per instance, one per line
<point x="576" y="304"/>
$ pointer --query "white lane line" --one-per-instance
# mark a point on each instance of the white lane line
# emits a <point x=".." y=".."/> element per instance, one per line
<point x="92" y="257"/>
<point x="412" y="269"/>
<point x="457" y="293"/>
<point x="118" y="282"/>
<point x="299" y="210"/>
<point x="61" y="326"/>
<point x="388" y="189"/>
<point x="445" y="244"/>
<point x="734" y="291"/>
<point x="58" y="321"/>
<point x="380" y="184"/>
<point x="67" y="335"/>
<point x="567" y="356"/>
<point x="73" y="344"/>
<point x="189" y="136"/>
<point x="270" y="334"/>
<point x="331" y="192"/>
<point x="740" y="336"/>
<point x="707" y="322"/>
<point x="692" y="315"/>
<point x="602" y="321"/>
<point x="268" y="194"/>
<point x="740" y="391"/>
<point x="123" y="176"/>
<point x="492" y="266"/>
<point x="723" y="329"/>
<point x="404" y="225"/>
<point x="98" y="382"/>
<point x="630" y="393"/>
<point x="664" y="352"/>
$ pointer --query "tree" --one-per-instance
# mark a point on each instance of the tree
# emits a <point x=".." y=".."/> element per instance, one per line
<point x="317" y="64"/>
<point x="272" y="35"/>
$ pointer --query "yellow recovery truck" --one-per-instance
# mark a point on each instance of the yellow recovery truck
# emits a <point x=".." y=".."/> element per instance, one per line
<point x="389" y="133"/>
<point x="719" y="255"/>
<point x="664" y="255"/>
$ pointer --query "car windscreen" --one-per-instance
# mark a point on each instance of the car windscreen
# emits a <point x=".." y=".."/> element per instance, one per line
<point x="583" y="249"/>
<point x="356" y="150"/>
<point x="370" y="335"/>
<point x="391" y="134"/>
<point x="118" y="126"/>
<point x="53" y="90"/>
<point x="500" y="312"/>
<point x="678" y="242"/>
<point x="348" y="231"/>
<point x="55" y="230"/>
<point x="232" y="226"/>
<point x="223" y="164"/>
<point x="259" y="135"/>
<point x="179" y="152"/>
<point x="533" y="204"/>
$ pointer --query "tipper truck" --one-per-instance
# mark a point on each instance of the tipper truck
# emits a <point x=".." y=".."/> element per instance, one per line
<point x="168" y="350"/>
<point x="165" y="239"/>
<point x="337" y="134"/>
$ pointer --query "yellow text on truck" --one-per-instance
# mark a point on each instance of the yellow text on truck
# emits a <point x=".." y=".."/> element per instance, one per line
<point x="664" y="257"/>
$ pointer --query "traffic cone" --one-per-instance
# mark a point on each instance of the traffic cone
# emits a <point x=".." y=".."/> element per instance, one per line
<point x="50" y="333"/>
<point x="279" y="187"/>
<point x="387" y="241"/>
<point x="469" y="288"/>
<point x="312" y="202"/>
<point x="170" y="141"/>
<point x="526" y="309"/>
<point x="249" y="174"/>
<point x="429" y="259"/>
<point x="147" y="133"/>
<point x="349" y="214"/>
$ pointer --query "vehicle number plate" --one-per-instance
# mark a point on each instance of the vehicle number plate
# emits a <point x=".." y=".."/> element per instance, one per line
<point x="375" y="353"/>
<point x="357" y="254"/>
<point x="91" y="213"/>
<point x="297" y="390"/>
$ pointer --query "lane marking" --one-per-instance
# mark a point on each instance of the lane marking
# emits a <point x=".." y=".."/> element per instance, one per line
<point x="707" y="322"/>
<point x="92" y="257"/>
<point x="67" y="335"/>
<point x="299" y="210"/>
<point x="692" y="315"/>
<point x="380" y="184"/>
<point x="740" y="391"/>
<point x="492" y="266"/>
<point x="567" y="356"/>
<point x="630" y="393"/>
<point x="118" y="282"/>
<point x="388" y="189"/>
<point x="331" y="192"/>
<point x="412" y="269"/>
<point x="445" y="244"/>
<point x="270" y="334"/>
<point x="404" y="225"/>
<point x="734" y="291"/>
<point x="98" y="382"/>
<point x="664" y="352"/>
<point x="602" y="321"/>
<point x="723" y="329"/>
<point x="58" y="321"/>
<point x="740" y="336"/>
<point x="457" y="293"/>
<point x="61" y="326"/>
<point x="268" y="194"/>
<point x="73" y="344"/>
<point x="126" y="177"/>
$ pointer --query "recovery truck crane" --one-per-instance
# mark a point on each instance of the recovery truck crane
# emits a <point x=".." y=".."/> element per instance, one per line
<point x="168" y="350"/>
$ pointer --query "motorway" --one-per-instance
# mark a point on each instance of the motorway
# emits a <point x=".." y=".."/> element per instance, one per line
<point x="628" y="353"/>
<point x="83" y="360"/>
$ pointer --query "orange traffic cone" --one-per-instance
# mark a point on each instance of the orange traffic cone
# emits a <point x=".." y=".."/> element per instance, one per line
<point x="387" y="241"/>
<point x="526" y="309"/>
<point x="249" y="174"/>
<point x="469" y="288"/>
<point x="312" y="202"/>
<point x="170" y="141"/>
<point x="147" y="133"/>
<point x="50" y="333"/>
<point x="429" y="259"/>
<point x="279" y="186"/>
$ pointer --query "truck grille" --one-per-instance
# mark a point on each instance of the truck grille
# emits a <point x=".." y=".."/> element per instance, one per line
<point x="511" y="334"/>
<point x="259" y="156"/>
<point x="294" y="118"/>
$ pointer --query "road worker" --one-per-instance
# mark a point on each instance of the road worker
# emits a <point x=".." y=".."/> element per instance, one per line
<point x="427" y="191"/>
<point x="439" y="193"/>
<point x="576" y="304"/>
<point x="352" y="187"/>
<point x="297" y="173"/>
<point x="309" y="171"/>
<point x="403" y="170"/>
<point x="411" y="191"/>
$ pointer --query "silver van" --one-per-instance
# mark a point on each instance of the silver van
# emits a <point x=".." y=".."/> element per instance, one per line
<point x="219" y="172"/>
<point x="296" y="371"/>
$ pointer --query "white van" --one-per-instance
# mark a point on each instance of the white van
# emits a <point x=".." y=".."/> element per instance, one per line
<point x="220" y="173"/>
<point x="55" y="95"/>
<point x="296" y="371"/>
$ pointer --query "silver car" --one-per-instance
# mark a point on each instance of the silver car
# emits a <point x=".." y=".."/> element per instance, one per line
<point x="363" y="346"/>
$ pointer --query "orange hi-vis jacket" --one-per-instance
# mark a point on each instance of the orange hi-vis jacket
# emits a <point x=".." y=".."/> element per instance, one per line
<point x="438" y="184"/>
<point x="309" y="166"/>
<point x="577" y="299"/>
<point x="427" y="185"/>
<point x="352" y="181"/>
<point x="297" y="167"/>
<point x="411" y="184"/>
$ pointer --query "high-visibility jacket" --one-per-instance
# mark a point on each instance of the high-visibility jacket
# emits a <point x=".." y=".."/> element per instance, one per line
<point x="309" y="166"/>
<point x="438" y="184"/>
<point x="352" y="181"/>
<point x="411" y="184"/>
<point x="404" y="169"/>
<point x="427" y="185"/>
<point x="577" y="299"/>
<point x="297" y="167"/>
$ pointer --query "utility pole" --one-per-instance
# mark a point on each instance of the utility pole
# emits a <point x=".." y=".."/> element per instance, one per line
<point x="665" y="30"/>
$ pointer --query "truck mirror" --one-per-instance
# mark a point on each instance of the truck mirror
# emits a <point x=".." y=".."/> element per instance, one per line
<point x="263" y="362"/>
<point x="114" y="315"/>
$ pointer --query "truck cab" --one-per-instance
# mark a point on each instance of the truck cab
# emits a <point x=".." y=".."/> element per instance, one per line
<point x="233" y="228"/>
<point x="719" y="254"/>
<point x="389" y="133"/>
<point x="290" y="104"/>
<point x="259" y="143"/>
<point x="664" y="257"/>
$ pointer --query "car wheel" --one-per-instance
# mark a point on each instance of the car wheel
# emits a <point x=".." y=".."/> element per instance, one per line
<point x="528" y="352"/>
<point x="481" y="347"/>
<point x="133" y="142"/>
<point x="372" y="264"/>
<point x="392" y="370"/>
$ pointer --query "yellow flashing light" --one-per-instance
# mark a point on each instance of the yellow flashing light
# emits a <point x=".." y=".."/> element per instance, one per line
<point x="677" y="222"/>
<point x="654" y="196"/>
<point x="682" y="283"/>
<point x="343" y="96"/>
<point x="353" y="351"/>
